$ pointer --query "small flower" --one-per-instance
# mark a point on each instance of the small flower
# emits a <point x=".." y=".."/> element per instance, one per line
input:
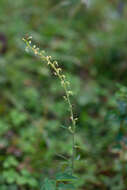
<point x="68" y="83"/>
<point x="59" y="69"/>
<point x="65" y="98"/>
<point x="42" y="52"/>
<point x="70" y="92"/>
<point x="26" y="49"/>
<point x="55" y="63"/>
<point x="70" y="129"/>
<point x="63" y="76"/>
<point x="36" y="52"/>
<point x="37" y="49"/>
<point x="30" y="37"/>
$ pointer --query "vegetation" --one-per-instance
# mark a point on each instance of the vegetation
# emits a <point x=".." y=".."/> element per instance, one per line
<point x="88" y="39"/>
<point x="65" y="176"/>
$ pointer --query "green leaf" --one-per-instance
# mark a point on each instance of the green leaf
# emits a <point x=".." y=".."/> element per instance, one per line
<point x="12" y="187"/>
<point x="32" y="182"/>
<point x="17" y="118"/>
<point x="65" y="177"/>
<point x="3" y="187"/>
<point x="48" y="185"/>
<point x="10" y="162"/>
<point x="25" y="172"/>
<point x="21" y="180"/>
<point x="63" y="186"/>
<point x="4" y="127"/>
<point x="10" y="176"/>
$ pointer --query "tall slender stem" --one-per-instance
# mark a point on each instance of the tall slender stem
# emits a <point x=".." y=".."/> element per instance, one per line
<point x="65" y="84"/>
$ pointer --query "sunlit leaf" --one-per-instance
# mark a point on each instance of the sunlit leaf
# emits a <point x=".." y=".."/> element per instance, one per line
<point x="65" y="177"/>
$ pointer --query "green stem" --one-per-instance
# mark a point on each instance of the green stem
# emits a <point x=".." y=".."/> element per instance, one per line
<point x="73" y="152"/>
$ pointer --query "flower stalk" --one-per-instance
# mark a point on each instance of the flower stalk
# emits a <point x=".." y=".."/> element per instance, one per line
<point x="64" y="83"/>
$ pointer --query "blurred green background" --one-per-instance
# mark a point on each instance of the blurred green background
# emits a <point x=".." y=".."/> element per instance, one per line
<point x="89" y="39"/>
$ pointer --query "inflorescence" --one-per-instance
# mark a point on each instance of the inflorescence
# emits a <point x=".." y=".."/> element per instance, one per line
<point x="64" y="83"/>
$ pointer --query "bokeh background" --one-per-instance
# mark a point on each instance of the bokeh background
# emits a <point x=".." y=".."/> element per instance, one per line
<point x="89" y="39"/>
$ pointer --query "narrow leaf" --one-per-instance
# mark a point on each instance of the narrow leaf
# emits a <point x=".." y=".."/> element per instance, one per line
<point x="63" y="186"/>
<point x="65" y="177"/>
<point x="48" y="185"/>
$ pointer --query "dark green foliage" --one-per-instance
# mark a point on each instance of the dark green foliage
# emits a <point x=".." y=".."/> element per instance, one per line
<point x="90" y="43"/>
<point x="49" y="185"/>
<point x="61" y="182"/>
<point x="65" y="177"/>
